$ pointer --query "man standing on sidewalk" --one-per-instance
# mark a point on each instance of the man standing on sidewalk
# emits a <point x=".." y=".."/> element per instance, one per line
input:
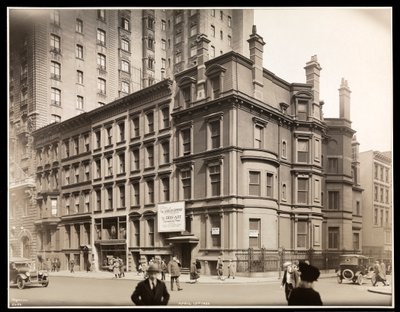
<point x="71" y="265"/>
<point x="220" y="268"/>
<point x="174" y="271"/>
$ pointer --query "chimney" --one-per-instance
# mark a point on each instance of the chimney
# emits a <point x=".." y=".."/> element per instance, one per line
<point x="344" y="100"/>
<point x="202" y="57"/>
<point x="256" y="45"/>
<point x="312" y="76"/>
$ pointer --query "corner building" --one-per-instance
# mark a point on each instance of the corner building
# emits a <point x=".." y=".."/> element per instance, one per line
<point x="242" y="148"/>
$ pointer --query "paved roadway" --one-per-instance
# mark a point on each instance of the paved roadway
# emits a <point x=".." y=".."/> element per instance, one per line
<point x="67" y="291"/>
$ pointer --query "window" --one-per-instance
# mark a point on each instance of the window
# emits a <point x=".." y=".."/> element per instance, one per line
<point x="150" y="63"/>
<point x="79" y="77"/>
<point x="101" y="61"/>
<point x="193" y="51"/>
<point x="109" y="198"/>
<point x="165" y="117"/>
<point x="376" y="193"/>
<point x="254" y="233"/>
<point x="333" y="200"/>
<point x="125" y="66"/>
<point x="215" y="221"/>
<point x="98" y="200"/>
<point x="98" y="168"/>
<point x="387" y="175"/>
<point x="165" y="189"/>
<point x="87" y="172"/>
<point x="270" y="185"/>
<point x="229" y="21"/>
<point x="215" y="85"/>
<point x="150" y="155"/>
<point x="284" y="149"/>
<point x="381" y="217"/>
<point x="317" y="149"/>
<point x="136" y="231"/>
<point x="150" y="122"/>
<point x="79" y="102"/>
<point x="55" y="43"/>
<point x="150" y="43"/>
<point x="55" y="70"/>
<point x="150" y="23"/>
<point x="101" y="37"/>
<point x="302" y="190"/>
<point x="193" y="30"/>
<point x="229" y="41"/>
<point x="101" y="15"/>
<point x="135" y="130"/>
<point x="358" y="209"/>
<point x="125" y="24"/>
<point x="135" y="194"/>
<point x="79" y="26"/>
<point x="258" y="134"/>
<point x="98" y="138"/>
<point x="163" y="25"/>
<point x="356" y="241"/>
<point x="332" y="165"/>
<point x="55" y="17"/>
<point x="79" y="51"/>
<point x="283" y="191"/>
<point x="163" y="44"/>
<point x="66" y="148"/>
<point x="215" y="179"/>
<point x="150" y="227"/>
<point x="87" y="202"/>
<point x="387" y="218"/>
<point x="302" y="110"/>
<point x="55" y="118"/>
<point x="186" y="184"/>
<point x="186" y="141"/>
<point x="333" y="237"/>
<point x="101" y="86"/>
<point x="212" y="30"/>
<point x="67" y="205"/>
<point x="375" y="216"/>
<point x="121" y="190"/>
<point x="387" y="196"/>
<point x="376" y="171"/>
<point x="215" y="135"/>
<point x="121" y="132"/>
<point x="186" y="94"/>
<point x="221" y="35"/>
<point x="76" y="169"/>
<point x="302" y="234"/>
<point x="165" y="152"/>
<point x="178" y="58"/>
<point x="125" y="45"/>
<point x="109" y="166"/>
<point x="54" y="208"/>
<point x="76" y="146"/>
<point x="66" y="175"/>
<point x="76" y="206"/>
<point x="302" y="150"/>
<point x="381" y="173"/>
<point x="121" y="160"/>
<point x="55" y="97"/>
<point x="317" y="187"/>
<point x="381" y="195"/>
<point x="169" y="43"/>
<point x="150" y="191"/>
<point x="254" y="183"/>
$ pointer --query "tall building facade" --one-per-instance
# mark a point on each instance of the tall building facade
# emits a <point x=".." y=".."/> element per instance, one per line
<point x="241" y="152"/>
<point x="64" y="62"/>
<point x="376" y="178"/>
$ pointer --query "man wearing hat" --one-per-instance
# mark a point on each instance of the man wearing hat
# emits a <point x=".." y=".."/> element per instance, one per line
<point x="151" y="291"/>
<point x="305" y="294"/>
<point x="174" y="269"/>
<point x="290" y="278"/>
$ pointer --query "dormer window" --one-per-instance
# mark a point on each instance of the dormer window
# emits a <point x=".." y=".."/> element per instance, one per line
<point x="187" y="87"/>
<point x="215" y="75"/>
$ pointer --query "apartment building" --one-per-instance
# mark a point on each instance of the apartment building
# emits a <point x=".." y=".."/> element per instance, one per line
<point x="64" y="62"/>
<point x="244" y="159"/>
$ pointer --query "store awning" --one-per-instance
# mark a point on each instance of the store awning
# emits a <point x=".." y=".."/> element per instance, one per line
<point x="191" y="239"/>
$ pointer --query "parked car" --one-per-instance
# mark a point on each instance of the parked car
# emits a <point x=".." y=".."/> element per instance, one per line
<point x="24" y="273"/>
<point x="353" y="268"/>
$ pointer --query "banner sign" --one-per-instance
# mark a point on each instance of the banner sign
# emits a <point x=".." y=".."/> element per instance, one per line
<point x="215" y="231"/>
<point x="171" y="217"/>
<point x="253" y="233"/>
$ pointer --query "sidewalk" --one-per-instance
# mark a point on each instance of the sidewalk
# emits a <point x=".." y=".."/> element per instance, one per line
<point x="184" y="278"/>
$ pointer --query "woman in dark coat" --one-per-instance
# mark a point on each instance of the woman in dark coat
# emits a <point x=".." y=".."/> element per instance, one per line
<point x="305" y="294"/>
<point x="193" y="272"/>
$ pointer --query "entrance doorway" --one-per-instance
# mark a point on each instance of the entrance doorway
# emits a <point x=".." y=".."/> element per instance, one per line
<point x="186" y="252"/>
<point x="26" y="247"/>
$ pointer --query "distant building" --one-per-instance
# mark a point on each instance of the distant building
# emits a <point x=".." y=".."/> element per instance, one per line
<point x="247" y="154"/>
<point x="376" y="178"/>
<point x="64" y="62"/>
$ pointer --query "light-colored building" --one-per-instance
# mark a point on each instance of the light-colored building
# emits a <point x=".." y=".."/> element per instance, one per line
<point x="244" y="151"/>
<point x="376" y="178"/>
<point x="63" y="62"/>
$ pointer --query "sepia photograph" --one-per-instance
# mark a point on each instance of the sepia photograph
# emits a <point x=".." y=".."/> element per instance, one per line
<point x="186" y="157"/>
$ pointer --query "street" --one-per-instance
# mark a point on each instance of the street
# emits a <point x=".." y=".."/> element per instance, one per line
<point x="66" y="291"/>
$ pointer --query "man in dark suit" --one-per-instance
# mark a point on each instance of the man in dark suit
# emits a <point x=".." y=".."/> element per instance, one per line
<point x="151" y="291"/>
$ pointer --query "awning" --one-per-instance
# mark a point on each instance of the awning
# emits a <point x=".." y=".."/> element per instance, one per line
<point x="191" y="239"/>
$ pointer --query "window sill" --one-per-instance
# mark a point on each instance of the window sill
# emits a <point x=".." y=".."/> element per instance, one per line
<point x="97" y="211"/>
<point x="97" y="150"/>
<point x="108" y="146"/>
<point x="149" y="205"/>
<point x="108" y="177"/>
<point x="121" y="208"/>
<point x="135" y="207"/>
<point x="121" y="174"/>
<point x="149" y="168"/>
<point x="135" y="138"/>
<point x="135" y="171"/>
<point x="97" y="180"/>
<point x="149" y="134"/>
<point x="121" y="142"/>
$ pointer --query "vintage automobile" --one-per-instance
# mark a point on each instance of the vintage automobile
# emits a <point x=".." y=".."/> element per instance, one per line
<point x="352" y="268"/>
<point x="23" y="273"/>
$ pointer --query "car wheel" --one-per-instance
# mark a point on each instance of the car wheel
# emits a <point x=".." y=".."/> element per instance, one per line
<point x="348" y="274"/>
<point x="339" y="280"/>
<point x="360" y="279"/>
<point x="20" y="283"/>
<point x="45" y="284"/>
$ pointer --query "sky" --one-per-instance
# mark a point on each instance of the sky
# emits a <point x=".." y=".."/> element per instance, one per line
<point x="353" y="43"/>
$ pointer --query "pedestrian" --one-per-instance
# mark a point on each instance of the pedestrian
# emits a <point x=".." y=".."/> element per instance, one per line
<point x="378" y="276"/>
<point x="71" y="265"/>
<point x="145" y="267"/>
<point x="231" y="269"/>
<point x="151" y="291"/>
<point x="220" y="268"/>
<point x="290" y="279"/>
<point x="193" y="272"/>
<point x="58" y="264"/>
<point x="139" y="269"/>
<point x="88" y="265"/>
<point x="116" y="267"/>
<point x="174" y="270"/>
<point x="198" y="265"/>
<point x="164" y="269"/>
<point x="122" y="267"/>
<point x="383" y="269"/>
<point x="304" y="294"/>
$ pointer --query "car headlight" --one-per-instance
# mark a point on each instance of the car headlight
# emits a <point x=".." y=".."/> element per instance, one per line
<point x="28" y="274"/>
<point x="40" y="272"/>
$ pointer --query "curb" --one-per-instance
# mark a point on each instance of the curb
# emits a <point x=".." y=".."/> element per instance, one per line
<point x="382" y="292"/>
